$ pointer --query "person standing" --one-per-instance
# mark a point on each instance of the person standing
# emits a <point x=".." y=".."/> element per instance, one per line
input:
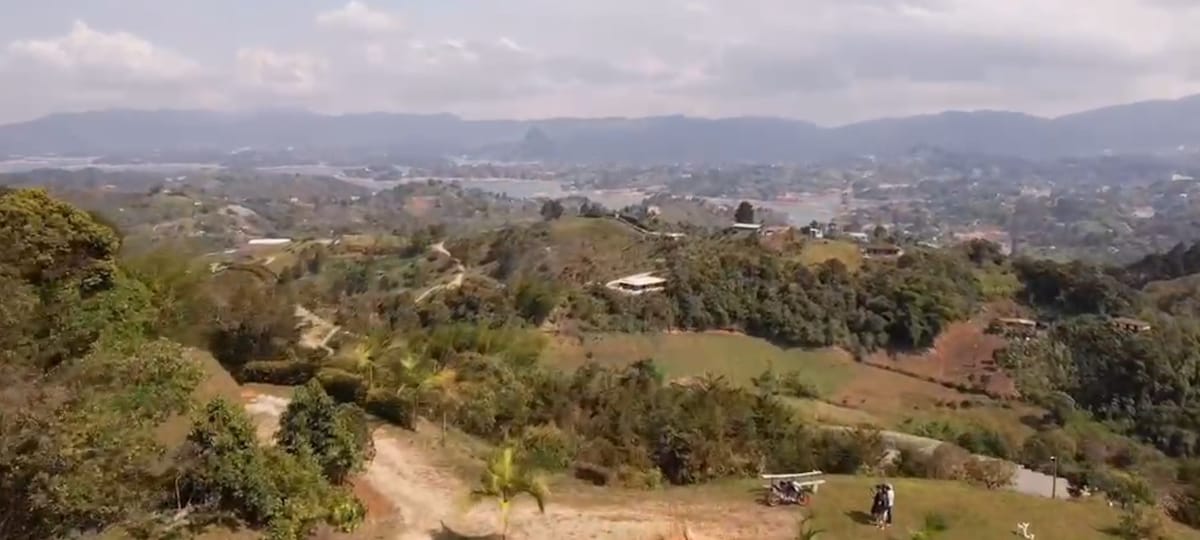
<point x="891" y="502"/>
<point x="879" y="506"/>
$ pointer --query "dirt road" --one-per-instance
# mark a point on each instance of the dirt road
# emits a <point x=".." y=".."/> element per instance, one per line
<point x="431" y="503"/>
<point x="455" y="282"/>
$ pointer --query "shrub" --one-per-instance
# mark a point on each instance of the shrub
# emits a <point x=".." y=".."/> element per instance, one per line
<point x="911" y="463"/>
<point x="344" y="386"/>
<point x="1186" y="508"/>
<point x="634" y="478"/>
<point x="283" y="372"/>
<point x="990" y="473"/>
<point x="546" y="447"/>
<point x="1125" y="488"/>
<point x="391" y="407"/>
<point x="793" y="385"/>
<point x="596" y="474"/>
<point x="1140" y="522"/>
<point x="948" y="462"/>
<point x="850" y="452"/>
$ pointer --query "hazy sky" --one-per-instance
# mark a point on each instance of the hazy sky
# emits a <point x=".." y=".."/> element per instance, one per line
<point x="830" y="61"/>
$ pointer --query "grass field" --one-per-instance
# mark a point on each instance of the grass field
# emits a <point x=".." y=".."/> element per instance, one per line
<point x="971" y="513"/>
<point x="738" y="358"/>
<point x="818" y="251"/>
<point x="852" y="393"/>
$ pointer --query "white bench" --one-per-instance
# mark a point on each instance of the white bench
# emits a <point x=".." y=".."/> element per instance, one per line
<point x="810" y="480"/>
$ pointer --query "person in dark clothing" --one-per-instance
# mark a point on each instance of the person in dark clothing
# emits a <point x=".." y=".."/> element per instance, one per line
<point x="879" y="508"/>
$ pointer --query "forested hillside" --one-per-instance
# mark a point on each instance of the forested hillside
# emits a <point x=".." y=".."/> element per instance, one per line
<point x="456" y="328"/>
<point x="91" y="378"/>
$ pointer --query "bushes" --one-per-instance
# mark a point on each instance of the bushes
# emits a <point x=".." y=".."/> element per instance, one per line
<point x="228" y="474"/>
<point x="948" y="462"/>
<point x="596" y="474"/>
<point x="344" y="386"/>
<point x="850" y="452"/>
<point x="389" y="406"/>
<point x="282" y="372"/>
<point x="546" y="447"/>
<point x="990" y="473"/>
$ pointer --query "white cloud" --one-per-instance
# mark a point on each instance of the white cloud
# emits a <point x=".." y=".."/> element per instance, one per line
<point x="828" y="60"/>
<point x="85" y="51"/>
<point x="283" y="74"/>
<point x="360" y="17"/>
<point x="87" y="69"/>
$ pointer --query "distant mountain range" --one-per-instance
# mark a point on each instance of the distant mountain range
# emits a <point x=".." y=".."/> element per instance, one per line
<point x="1151" y="126"/>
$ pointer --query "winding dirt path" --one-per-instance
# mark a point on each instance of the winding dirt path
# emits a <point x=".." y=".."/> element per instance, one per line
<point x="429" y="502"/>
<point x="460" y="272"/>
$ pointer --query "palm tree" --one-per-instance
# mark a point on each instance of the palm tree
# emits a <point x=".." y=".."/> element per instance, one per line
<point x="368" y="353"/>
<point x="425" y="380"/>
<point x="505" y="480"/>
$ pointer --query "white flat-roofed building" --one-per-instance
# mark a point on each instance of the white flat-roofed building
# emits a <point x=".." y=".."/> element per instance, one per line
<point x="638" y="283"/>
<point x="269" y="241"/>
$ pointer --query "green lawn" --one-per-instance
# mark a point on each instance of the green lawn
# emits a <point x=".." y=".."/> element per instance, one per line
<point x="816" y="252"/>
<point x="971" y="513"/>
<point x="737" y="357"/>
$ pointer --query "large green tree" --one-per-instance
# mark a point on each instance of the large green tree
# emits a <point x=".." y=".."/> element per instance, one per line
<point x="337" y="436"/>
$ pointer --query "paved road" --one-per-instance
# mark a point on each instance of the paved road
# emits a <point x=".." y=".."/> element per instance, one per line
<point x="1025" y="481"/>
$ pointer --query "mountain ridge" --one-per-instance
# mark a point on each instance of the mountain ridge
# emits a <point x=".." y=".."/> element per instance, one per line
<point x="1139" y="127"/>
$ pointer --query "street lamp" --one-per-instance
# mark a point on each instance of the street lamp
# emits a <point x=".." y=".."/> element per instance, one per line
<point x="1054" y="478"/>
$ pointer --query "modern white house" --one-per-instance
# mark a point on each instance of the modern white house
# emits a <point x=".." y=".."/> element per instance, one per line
<point x="638" y="284"/>
<point x="746" y="226"/>
<point x="268" y="241"/>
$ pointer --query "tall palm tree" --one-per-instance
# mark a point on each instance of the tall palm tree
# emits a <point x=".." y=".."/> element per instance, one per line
<point x="505" y="480"/>
<point x="368" y="353"/>
<point x="425" y="381"/>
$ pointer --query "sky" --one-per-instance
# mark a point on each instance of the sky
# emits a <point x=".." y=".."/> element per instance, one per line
<point x="828" y="61"/>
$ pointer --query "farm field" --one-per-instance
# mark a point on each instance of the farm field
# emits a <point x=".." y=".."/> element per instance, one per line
<point x="816" y="252"/>
<point x="852" y="393"/>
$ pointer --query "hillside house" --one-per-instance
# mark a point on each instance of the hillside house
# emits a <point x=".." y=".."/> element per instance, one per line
<point x="882" y="251"/>
<point x="751" y="227"/>
<point x="1131" y="325"/>
<point x="638" y="284"/>
<point x="1014" y="326"/>
<point x="268" y="241"/>
<point x="859" y="237"/>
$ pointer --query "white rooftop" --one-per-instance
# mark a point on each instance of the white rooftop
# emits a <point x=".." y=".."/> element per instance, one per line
<point x="641" y="280"/>
<point x="751" y="226"/>
<point x="268" y="241"/>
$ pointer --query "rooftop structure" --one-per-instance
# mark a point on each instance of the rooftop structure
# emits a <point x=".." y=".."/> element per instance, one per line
<point x="1132" y="325"/>
<point x="883" y="250"/>
<point x="268" y="241"/>
<point x="638" y="284"/>
<point x="746" y="226"/>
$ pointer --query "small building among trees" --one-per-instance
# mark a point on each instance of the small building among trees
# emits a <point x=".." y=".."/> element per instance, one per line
<point x="638" y="284"/>
<point x="1131" y="325"/>
<point x="883" y="251"/>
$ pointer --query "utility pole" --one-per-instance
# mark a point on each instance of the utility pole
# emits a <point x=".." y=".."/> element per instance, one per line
<point x="1054" y="479"/>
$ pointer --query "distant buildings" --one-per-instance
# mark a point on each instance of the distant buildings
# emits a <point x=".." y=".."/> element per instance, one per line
<point x="1131" y="325"/>
<point x="753" y="227"/>
<point x="268" y="241"/>
<point x="882" y="251"/>
<point x="637" y="284"/>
